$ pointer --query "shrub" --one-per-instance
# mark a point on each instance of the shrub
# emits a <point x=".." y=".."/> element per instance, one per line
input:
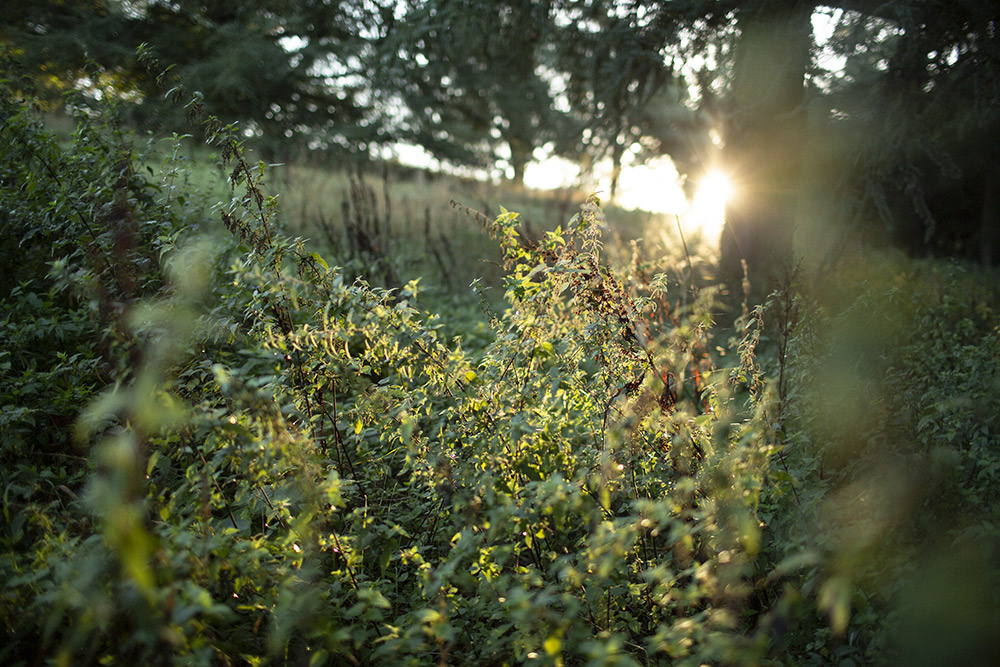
<point x="252" y="458"/>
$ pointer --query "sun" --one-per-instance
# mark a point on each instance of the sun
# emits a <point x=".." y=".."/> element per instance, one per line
<point x="652" y="186"/>
<point x="707" y="210"/>
<point x="655" y="186"/>
<point x="715" y="186"/>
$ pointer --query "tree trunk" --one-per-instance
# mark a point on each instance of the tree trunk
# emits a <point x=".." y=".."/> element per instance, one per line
<point x="520" y="155"/>
<point x="519" y="167"/>
<point x="764" y="142"/>
<point x="616" y="166"/>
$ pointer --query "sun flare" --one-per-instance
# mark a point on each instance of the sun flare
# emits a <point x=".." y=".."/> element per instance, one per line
<point x="653" y="186"/>
<point x="707" y="211"/>
<point x="715" y="185"/>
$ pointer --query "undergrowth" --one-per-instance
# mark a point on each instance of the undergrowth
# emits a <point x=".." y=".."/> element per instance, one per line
<point x="227" y="449"/>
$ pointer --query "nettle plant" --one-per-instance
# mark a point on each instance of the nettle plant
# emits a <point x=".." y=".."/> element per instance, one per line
<point x="286" y="466"/>
<point x="556" y="495"/>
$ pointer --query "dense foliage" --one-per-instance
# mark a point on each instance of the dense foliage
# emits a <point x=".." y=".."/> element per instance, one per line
<point x="284" y="70"/>
<point x="216" y="449"/>
<point x="872" y="116"/>
<point x="450" y="67"/>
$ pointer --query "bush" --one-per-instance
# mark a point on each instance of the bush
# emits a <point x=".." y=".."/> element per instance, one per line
<point x="220" y="449"/>
<point x="890" y="435"/>
<point x="254" y="459"/>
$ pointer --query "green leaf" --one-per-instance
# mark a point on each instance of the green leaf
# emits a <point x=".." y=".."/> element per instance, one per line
<point x="319" y="260"/>
<point x="835" y="600"/>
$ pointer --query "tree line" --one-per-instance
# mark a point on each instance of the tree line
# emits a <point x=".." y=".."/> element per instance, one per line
<point x="880" y="116"/>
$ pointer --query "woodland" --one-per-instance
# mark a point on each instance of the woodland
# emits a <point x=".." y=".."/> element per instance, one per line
<point x="271" y="395"/>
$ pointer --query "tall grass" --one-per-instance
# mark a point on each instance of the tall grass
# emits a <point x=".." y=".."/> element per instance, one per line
<point x="391" y="223"/>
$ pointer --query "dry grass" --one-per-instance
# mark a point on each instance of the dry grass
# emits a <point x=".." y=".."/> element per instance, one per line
<point x="393" y="223"/>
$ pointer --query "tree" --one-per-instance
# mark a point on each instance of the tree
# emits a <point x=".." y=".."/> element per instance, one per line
<point x="922" y="82"/>
<point x="51" y="42"/>
<point x="764" y="138"/>
<point x="918" y="94"/>
<point x="614" y="74"/>
<point x="749" y="90"/>
<point x="469" y="78"/>
<point x="289" y="71"/>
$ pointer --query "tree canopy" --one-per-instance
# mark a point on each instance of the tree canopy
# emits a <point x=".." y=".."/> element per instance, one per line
<point x="473" y="80"/>
<point x="893" y="106"/>
<point x="895" y="114"/>
<point x="290" y="72"/>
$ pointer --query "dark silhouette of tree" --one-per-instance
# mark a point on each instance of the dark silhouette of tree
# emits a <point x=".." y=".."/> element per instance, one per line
<point x="470" y="79"/>
<point x="920" y="92"/>
<point x="764" y="138"/>
<point x="908" y="125"/>
<point x="289" y="71"/>
<point x="616" y="80"/>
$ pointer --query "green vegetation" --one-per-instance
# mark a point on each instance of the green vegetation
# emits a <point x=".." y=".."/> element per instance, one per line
<point x="393" y="224"/>
<point x="223" y="444"/>
<point x="878" y="118"/>
<point x="321" y="409"/>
